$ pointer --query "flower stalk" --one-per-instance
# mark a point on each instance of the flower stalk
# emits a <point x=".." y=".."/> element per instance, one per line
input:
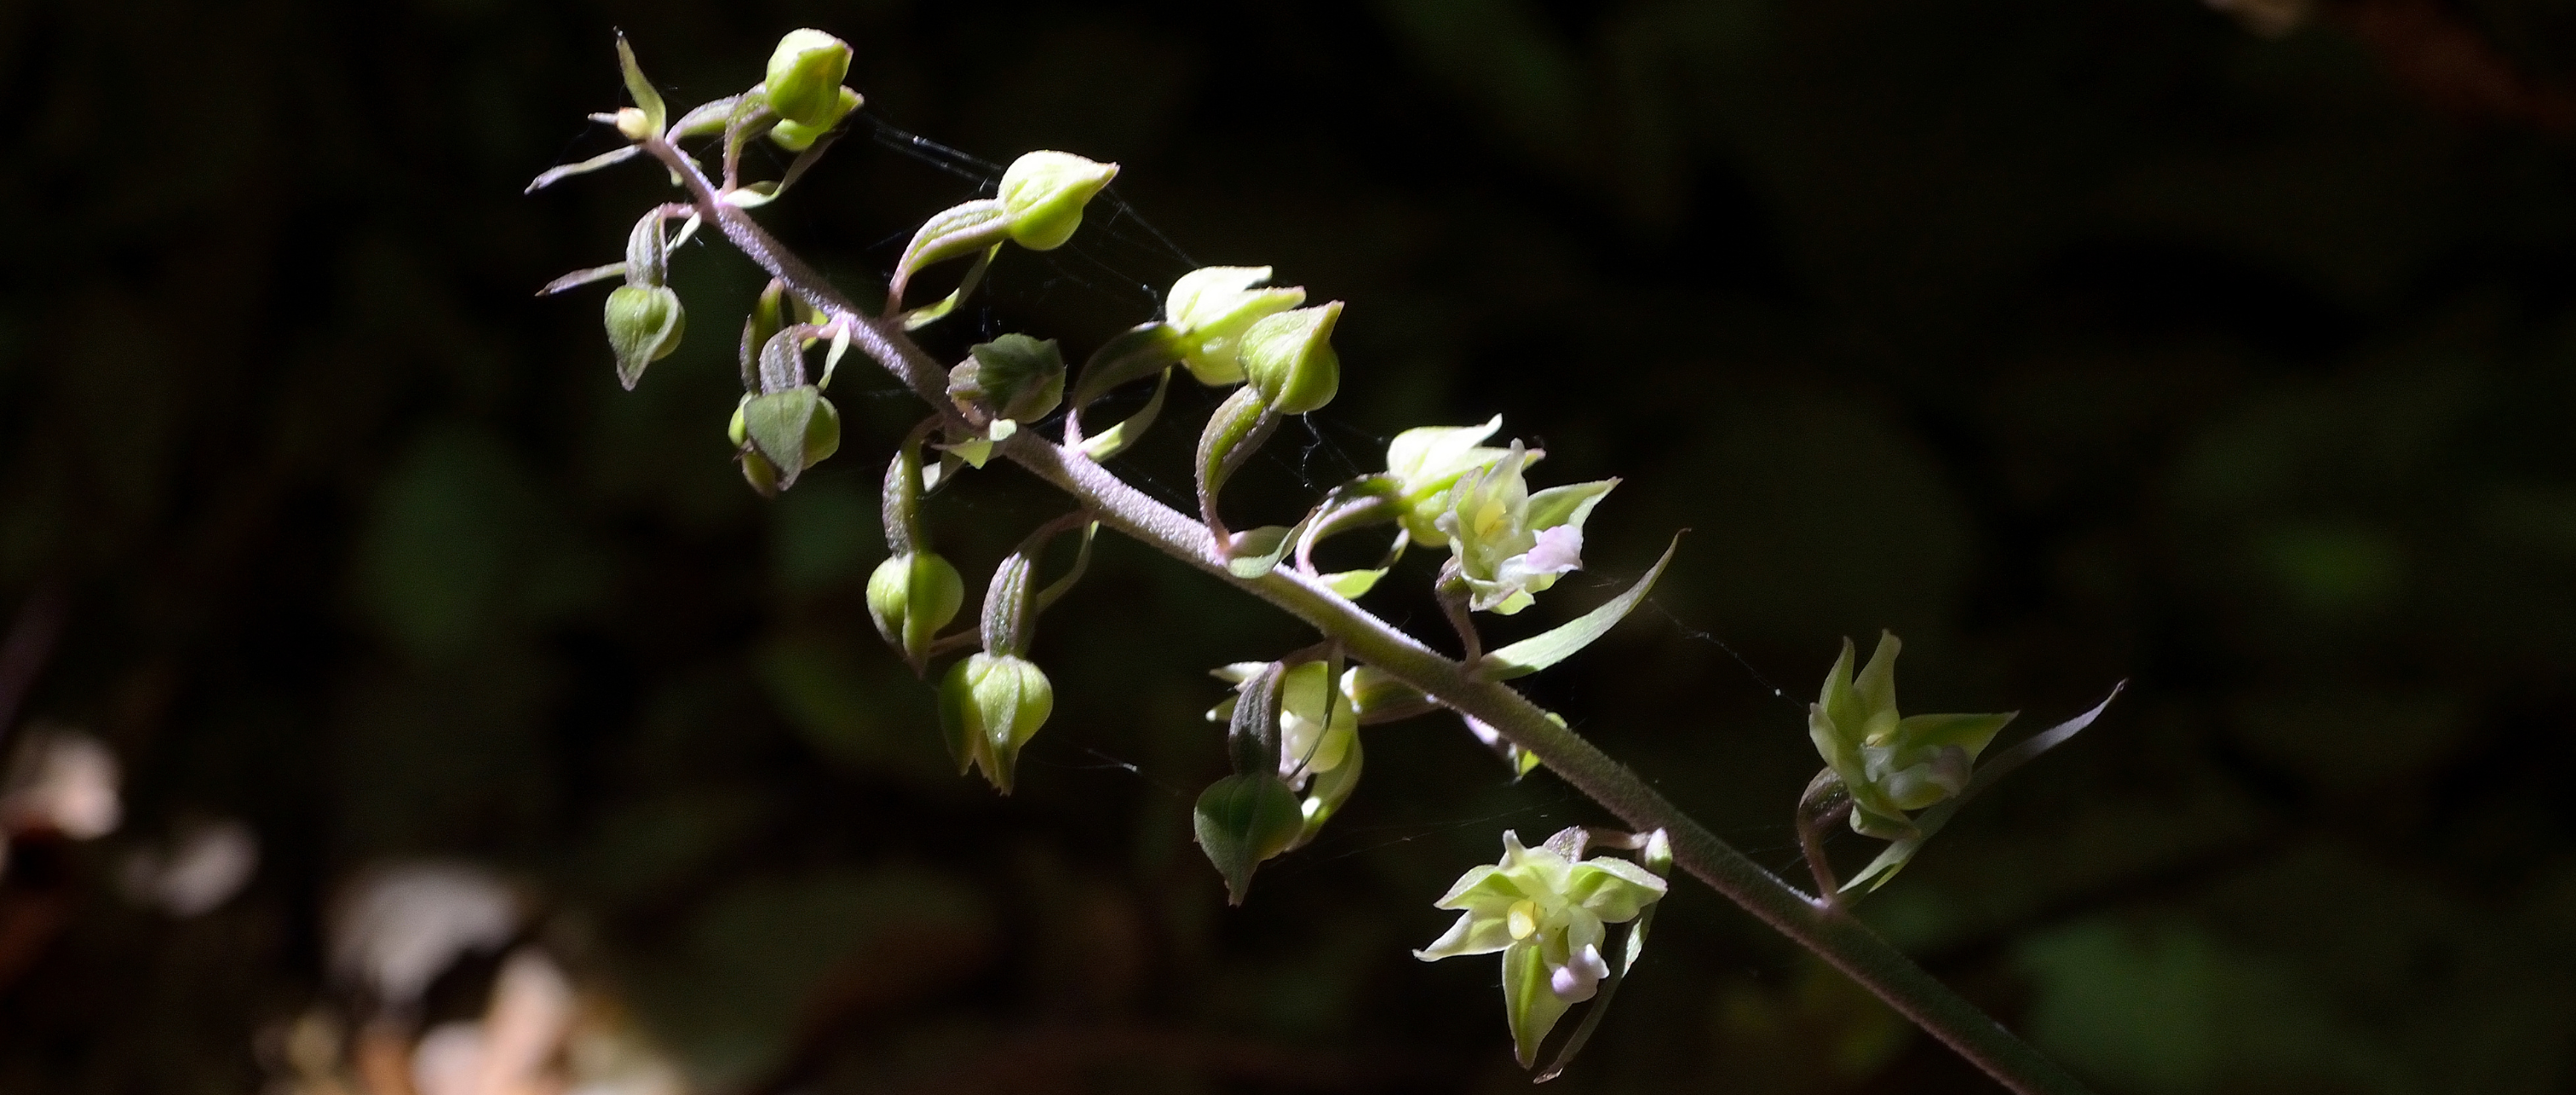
<point x="1839" y="939"/>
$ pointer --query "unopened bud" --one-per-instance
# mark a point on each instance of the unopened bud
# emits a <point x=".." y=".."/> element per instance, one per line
<point x="1289" y="359"/>
<point x="804" y="80"/>
<point x="1244" y="819"/>
<point x="794" y="429"/>
<point x="911" y="596"/>
<point x="1043" y="194"/>
<point x="644" y="326"/>
<point x="989" y="706"/>
<point x="1212" y="307"/>
<point x="633" y="123"/>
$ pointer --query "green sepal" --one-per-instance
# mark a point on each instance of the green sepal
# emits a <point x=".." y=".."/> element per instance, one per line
<point x="1528" y="1002"/>
<point x="989" y="706"/>
<point x="795" y="429"/>
<point x="1558" y="643"/>
<point x="1242" y="820"/>
<point x="1378" y="697"/>
<point x="1570" y="504"/>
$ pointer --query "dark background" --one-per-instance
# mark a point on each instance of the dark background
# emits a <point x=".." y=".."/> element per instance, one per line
<point x="2075" y="343"/>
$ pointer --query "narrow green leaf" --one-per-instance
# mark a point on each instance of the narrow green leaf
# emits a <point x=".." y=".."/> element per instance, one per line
<point x="706" y="119"/>
<point x="1081" y="562"/>
<point x="1131" y="355"/>
<point x="1353" y="584"/>
<point x="1258" y="551"/>
<point x="554" y="175"/>
<point x="646" y="99"/>
<point x="1929" y="822"/>
<point x="1114" y="440"/>
<point x="1559" y="643"/>
<point x="928" y="314"/>
<point x="579" y="278"/>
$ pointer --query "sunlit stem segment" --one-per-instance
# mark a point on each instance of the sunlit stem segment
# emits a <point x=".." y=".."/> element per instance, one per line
<point x="1841" y="940"/>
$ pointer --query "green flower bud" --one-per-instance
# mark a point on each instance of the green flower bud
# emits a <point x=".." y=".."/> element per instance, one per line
<point x="989" y="706"/>
<point x="1244" y="819"/>
<point x="1289" y="359"/>
<point x="797" y="136"/>
<point x="644" y="326"/>
<point x="1212" y="307"/>
<point x="1013" y="377"/>
<point x="793" y="430"/>
<point x="805" y="73"/>
<point x="911" y="596"/>
<point x="1043" y="194"/>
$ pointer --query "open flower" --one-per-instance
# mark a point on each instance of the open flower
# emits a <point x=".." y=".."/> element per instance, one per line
<point x="1544" y="908"/>
<point x="1890" y="764"/>
<point x="1509" y="542"/>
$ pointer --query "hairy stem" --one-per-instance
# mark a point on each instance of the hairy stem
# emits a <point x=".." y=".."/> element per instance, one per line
<point x="1840" y="940"/>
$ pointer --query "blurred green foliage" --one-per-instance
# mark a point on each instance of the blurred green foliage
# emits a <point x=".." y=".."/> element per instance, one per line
<point x="2074" y="343"/>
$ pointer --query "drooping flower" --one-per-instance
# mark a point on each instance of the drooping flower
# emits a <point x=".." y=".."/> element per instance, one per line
<point x="1545" y="909"/>
<point x="1890" y="764"/>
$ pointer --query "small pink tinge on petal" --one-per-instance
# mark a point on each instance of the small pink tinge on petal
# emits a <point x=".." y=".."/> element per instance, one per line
<point x="1558" y="550"/>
